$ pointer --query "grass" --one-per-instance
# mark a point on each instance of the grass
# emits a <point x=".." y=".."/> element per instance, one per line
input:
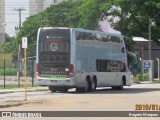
<point x="8" y="71"/>
<point x="16" y="86"/>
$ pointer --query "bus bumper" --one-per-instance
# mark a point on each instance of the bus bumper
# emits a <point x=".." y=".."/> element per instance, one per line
<point x="66" y="82"/>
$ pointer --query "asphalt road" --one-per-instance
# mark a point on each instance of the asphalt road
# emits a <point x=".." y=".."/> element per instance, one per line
<point x="103" y="99"/>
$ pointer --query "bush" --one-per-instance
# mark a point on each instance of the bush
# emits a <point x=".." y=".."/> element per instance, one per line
<point x="8" y="71"/>
<point x="138" y="77"/>
<point x="145" y="76"/>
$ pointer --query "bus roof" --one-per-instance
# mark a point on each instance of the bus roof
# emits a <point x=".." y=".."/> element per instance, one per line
<point x="85" y="30"/>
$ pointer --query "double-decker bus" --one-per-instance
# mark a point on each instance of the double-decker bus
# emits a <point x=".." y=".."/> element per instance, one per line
<point x="82" y="59"/>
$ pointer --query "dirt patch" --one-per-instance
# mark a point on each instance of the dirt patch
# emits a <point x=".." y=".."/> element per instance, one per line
<point x="11" y="103"/>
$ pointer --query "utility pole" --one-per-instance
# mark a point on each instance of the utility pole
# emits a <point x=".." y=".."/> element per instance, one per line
<point x="19" y="11"/>
<point x="149" y="35"/>
<point x="16" y="29"/>
<point x="149" y="42"/>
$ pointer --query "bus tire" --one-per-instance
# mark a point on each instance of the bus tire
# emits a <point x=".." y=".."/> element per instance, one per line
<point x="52" y="89"/>
<point x="120" y="87"/>
<point x="123" y="83"/>
<point x="93" y="84"/>
<point x="63" y="90"/>
<point x="114" y="88"/>
<point x="117" y="87"/>
<point x="87" y="85"/>
<point x="79" y="89"/>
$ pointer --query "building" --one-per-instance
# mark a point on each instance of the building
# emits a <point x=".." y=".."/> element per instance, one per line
<point x="2" y="21"/>
<point x="141" y="49"/>
<point x="47" y="3"/>
<point x="36" y="6"/>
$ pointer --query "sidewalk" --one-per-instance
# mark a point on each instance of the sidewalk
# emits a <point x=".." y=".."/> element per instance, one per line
<point x="150" y="82"/>
<point x="31" y="89"/>
<point x="145" y="81"/>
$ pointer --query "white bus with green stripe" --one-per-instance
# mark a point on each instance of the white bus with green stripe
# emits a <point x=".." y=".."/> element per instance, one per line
<point x="82" y="59"/>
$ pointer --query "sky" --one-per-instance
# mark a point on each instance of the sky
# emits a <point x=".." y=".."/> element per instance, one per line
<point x="12" y="16"/>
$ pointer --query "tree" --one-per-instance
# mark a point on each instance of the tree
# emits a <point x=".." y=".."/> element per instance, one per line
<point x="130" y="17"/>
<point x="134" y="17"/>
<point x="64" y="14"/>
<point x="8" y="38"/>
<point x="90" y="13"/>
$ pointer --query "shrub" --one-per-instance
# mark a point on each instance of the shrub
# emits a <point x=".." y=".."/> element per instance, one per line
<point x="138" y="77"/>
<point x="145" y="76"/>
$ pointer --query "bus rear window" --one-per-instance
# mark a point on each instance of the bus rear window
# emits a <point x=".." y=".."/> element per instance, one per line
<point x="54" y="40"/>
<point x="54" y="34"/>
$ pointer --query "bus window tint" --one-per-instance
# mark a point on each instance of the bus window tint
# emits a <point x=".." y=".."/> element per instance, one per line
<point x="54" y="34"/>
<point x="98" y="37"/>
<point x="110" y="66"/>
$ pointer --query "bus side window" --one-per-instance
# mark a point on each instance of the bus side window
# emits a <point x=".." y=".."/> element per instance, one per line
<point x="98" y="65"/>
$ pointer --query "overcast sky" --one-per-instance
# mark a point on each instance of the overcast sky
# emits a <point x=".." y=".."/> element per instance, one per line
<point x="12" y="16"/>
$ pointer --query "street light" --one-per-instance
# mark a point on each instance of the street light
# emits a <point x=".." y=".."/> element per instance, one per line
<point x="149" y="31"/>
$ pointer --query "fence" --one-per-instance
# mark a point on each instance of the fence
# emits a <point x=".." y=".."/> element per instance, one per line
<point x="30" y="67"/>
<point x="13" y="72"/>
<point x="146" y="69"/>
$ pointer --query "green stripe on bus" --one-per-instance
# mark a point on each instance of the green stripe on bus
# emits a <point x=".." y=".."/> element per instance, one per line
<point x="53" y="76"/>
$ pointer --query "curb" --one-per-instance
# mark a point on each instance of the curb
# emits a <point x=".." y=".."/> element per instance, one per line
<point x="149" y="82"/>
<point x="145" y="82"/>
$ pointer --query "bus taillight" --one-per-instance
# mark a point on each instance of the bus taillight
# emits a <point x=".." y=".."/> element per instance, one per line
<point x="37" y="70"/>
<point x="71" y="70"/>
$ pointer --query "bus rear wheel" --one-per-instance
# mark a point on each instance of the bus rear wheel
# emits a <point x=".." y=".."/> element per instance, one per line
<point x="87" y="86"/>
<point x="63" y="90"/>
<point x="52" y="89"/>
<point x="93" y="84"/>
<point x="79" y="89"/>
<point x="122" y="84"/>
<point x="119" y="87"/>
